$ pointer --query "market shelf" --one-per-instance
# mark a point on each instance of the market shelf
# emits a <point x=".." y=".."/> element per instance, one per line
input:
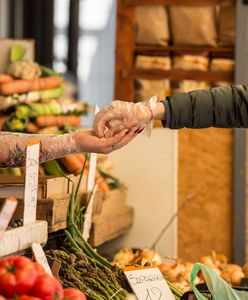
<point x="172" y="2"/>
<point x="21" y="238"/>
<point x="178" y="75"/>
<point x="165" y="50"/>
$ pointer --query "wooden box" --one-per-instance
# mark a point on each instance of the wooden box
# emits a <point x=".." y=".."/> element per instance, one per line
<point x="21" y="238"/>
<point x="52" y="210"/>
<point x="111" y="216"/>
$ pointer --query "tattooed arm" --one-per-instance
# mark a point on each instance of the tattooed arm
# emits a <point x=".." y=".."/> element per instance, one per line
<point x="13" y="145"/>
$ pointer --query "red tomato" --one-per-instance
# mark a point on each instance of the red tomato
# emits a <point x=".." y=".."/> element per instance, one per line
<point x="17" y="275"/>
<point x="73" y="294"/>
<point x="26" y="297"/>
<point x="39" y="269"/>
<point x="2" y="298"/>
<point x="47" y="287"/>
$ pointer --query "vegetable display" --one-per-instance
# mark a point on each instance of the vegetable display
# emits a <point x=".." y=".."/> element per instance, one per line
<point x="22" y="279"/>
<point x="32" y="101"/>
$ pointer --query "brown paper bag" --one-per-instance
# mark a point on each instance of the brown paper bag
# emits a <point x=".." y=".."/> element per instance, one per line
<point x="145" y="89"/>
<point x="227" y="25"/>
<point x="152" y="25"/>
<point x="193" y="25"/>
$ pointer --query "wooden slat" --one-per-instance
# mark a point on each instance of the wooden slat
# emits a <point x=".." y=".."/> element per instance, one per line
<point x="163" y="50"/>
<point x="125" y="43"/>
<point x="172" y="2"/>
<point x="179" y="75"/>
<point x="21" y="238"/>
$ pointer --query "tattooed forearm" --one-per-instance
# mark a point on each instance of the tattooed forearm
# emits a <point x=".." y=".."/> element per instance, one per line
<point x="13" y="150"/>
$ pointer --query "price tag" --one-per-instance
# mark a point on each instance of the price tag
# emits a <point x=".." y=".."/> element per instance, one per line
<point x="31" y="183"/>
<point x="40" y="257"/>
<point x="92" y="164"/>
<point x="6" y="214"/>
<point x="88" y="215"/>
<point x="148" y="283"/>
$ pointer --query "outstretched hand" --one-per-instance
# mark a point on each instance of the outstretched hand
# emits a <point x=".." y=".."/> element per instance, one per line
<point x="88" y="142"/>
<point x="119" y="115"/>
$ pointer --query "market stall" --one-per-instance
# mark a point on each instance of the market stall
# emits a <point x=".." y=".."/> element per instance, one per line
<point x="153" y="220"/>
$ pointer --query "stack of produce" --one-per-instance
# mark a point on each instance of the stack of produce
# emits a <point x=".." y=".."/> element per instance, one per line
<point x="178" y="272"/>
<point x="22" y="279"/>
<point x="31" y="99"/>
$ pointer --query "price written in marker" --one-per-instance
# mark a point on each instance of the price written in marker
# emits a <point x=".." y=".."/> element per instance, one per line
<point x="6" y="214"/>
<point x="148" y="283"/>
<point x="31" y="183"/>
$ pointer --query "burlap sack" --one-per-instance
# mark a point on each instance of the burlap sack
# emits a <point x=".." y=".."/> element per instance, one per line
<point x="227" y="21"/>
<point x="152" y="25"/>
<point x="152" y="62"/>
<point x="145" y="89"/>
<point x="193" y="25"/>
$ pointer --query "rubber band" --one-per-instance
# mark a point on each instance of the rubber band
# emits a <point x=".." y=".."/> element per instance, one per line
<point x="116" y="293"/>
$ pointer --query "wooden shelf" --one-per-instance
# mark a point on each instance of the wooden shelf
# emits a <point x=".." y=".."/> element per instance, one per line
<point x="178" y="75"/>
<point x="163" y="50"/>
<point x="21" y="238"/>
<point x="172" y="2"/>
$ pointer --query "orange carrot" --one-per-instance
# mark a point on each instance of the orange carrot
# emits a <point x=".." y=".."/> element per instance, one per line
<point x="5" y="78"/>
<point x="72" y="163"/>
<point x="102" y="184"/>
<point x="59" y="121"/>
<point x="32" y="128"/>
<point x="23" y="86"/>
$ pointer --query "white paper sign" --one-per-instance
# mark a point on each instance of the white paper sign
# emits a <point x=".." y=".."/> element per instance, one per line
<point x="88" y="215"/>
<point x="40" y="257"/>
<point x="92" y="172"/>
<point x="6" y="214"/>
<point x="148" y="283"/>
<point x="31" y="183"/>
<point x="92" y="164"/>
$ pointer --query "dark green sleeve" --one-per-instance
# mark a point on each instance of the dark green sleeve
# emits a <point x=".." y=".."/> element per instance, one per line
<point x="216" y="107"/>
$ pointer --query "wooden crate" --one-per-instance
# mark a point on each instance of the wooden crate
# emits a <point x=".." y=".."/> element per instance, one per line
<point x="52" y="210"/>
<point x="21" y="238"/>
<point x="109" y="226"/>
<point x="111" y="216"/>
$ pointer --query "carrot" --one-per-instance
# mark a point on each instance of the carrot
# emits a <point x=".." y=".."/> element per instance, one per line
<point x="23" y="86"/>
<point x="59" y="121"/>
<point x="32" y="128"/>
<point x="72" y="163"/>
<point x="102" y="184"/>
<point x="5" y="78"/>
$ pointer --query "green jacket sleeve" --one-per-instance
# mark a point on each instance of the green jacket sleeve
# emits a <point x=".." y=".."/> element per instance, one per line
<point x="216" y="107"/>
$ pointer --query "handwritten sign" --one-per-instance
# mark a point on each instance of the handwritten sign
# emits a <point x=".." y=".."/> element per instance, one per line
<point x="148" y="283"/>
<point x="92" y="164"/>
<point x="6" y="214"/>
<point x="88" y="215"/>
<point x="31" y="183"/>
<point x="40" y="257"/>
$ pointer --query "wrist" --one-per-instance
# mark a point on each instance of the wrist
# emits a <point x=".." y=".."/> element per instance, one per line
<point x="159" y="112"/>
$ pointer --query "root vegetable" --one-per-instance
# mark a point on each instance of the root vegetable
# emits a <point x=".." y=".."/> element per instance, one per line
<point x="23" y="86"/>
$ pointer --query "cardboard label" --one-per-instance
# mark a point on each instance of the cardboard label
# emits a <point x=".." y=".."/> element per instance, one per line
<point x="88" y="215"/>
<point x="148" y="283"/>
<point x="6" y="214"/>
<point x="31" y="183"/>
<point x="40" y="257"/>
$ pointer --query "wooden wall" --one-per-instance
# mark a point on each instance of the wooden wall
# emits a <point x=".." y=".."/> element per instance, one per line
<point x="205" y="179"/>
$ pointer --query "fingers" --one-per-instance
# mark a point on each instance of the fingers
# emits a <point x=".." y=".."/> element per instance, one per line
<point x="100" y="123"/>
<point x="126" y="139"/>
<point x="114" y="130"/>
